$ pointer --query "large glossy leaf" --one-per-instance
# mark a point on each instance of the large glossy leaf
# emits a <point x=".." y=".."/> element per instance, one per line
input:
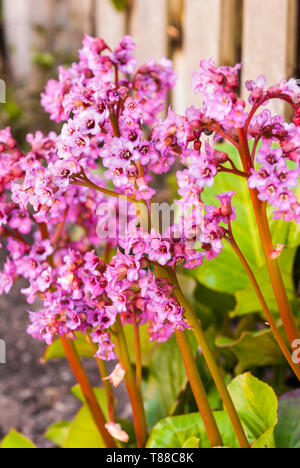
<point x="58" y="432"/>
<point x="253" y="349"/>
<point x="287" y="431"/>
<point x="15" y="440"/>
<point x="256" y="404"/>
<point x="83" y="432"/>
<point x="56" y="350"/>
<point x="193" y="442"/>
<point x="225" y="273"/>
<point x="247" y="301"/>
<point x="212" y="306"/>
<point x="167" y="377"/>
<point x="147" y="347"/>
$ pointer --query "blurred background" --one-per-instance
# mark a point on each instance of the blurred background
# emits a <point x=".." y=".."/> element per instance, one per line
<point x="38" y="35"/>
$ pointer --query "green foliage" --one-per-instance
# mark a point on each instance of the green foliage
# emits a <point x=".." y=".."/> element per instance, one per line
<point x="256" y="404"/>
<point x="44" y="59"/>
<point x="226" y="273"/>
<point x="58" y="432"/>
<point x="120" y="4"/>
<point x="56" y="350"/>
<point x="15" y="440"/>
<point x="167" y="377"/>
<point x="247" y="301"/>
<point x="147" y="347"/>
<point x="83" y="432"/>
<point x="253" y="349"/>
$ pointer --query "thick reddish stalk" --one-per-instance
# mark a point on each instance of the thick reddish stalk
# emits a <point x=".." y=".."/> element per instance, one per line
<point x="136" y="398"/>
<point x="111" y="403"/>
<point x="266" y="310"/>
<point x="198" y="390"/>
<point x="213" y="368"/>
<point x="88" y="392"/>
<point x="284" y="307"/>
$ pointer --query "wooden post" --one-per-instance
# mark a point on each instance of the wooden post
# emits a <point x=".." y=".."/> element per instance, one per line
<point x="209" y="30"/>
<point x="148" y="26"/>
<point x="48" y="25"/>
<point x="270" y="41"/>
<point x="110" y="23"/>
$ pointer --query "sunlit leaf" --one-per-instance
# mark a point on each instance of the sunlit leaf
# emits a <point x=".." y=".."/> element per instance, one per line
<point x="58" y="432"/>
<point x="56" y="350"/>
<point x="253" y="349"/>
<point x="15" y="440"/>
<point x="256" y="404"/>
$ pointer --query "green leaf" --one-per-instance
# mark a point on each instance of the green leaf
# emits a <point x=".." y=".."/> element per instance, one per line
<point x="44" y="59"/>
<point x="16" y="440"/>
<point x="253" y="349"/>
<point x="100" y="395"/>
<point x="120" y="4"/>
<point x="56" y="350"/>
<point x="58" y="432"/>
<point x="226" y="273"/>
<point x="212" y="306"/>
<point x="247" y="301"/>
<point x="147" y="347"/>
<point x="83" y="432"/>
<point x="167" y="379"/>
<point x="256" y="404"/>
<point x="287" y="431"/>
<point x="193" y="442"/>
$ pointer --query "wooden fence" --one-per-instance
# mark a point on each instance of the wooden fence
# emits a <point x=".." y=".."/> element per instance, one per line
<point x="261" y="33"/>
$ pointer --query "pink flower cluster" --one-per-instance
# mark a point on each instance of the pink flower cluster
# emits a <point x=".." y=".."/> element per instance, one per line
<point x="114" y="140"/>
<point x="274" y="181"/>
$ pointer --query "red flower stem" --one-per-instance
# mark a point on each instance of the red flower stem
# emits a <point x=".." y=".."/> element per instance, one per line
<point x="136" y="399"/>
<point x="283" y="304"/>
<point x="89" y="184"/>
<point x="201" y="338"/>
<point x="213" y="368"/>
<point x="233" y="171"/>
<point x="60" y="228"/>
<point x="80" y="374"/>
<point x="88" y="392"/>
<point x="111" y="403"/>
<point x="265" y="307"/>
<point x="198" y="390"/>
<point x="216" y="128"/>
<point x="138" y="353"/>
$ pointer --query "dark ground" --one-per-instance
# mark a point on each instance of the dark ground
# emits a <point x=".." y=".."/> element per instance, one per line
<point x="34" y="395"/>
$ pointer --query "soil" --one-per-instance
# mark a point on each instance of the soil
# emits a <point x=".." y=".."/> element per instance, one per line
<point x="34" y="395"/>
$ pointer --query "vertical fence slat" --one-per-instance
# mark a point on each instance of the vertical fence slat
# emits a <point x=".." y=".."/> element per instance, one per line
<point x="205" y="35"/>
<point x="18" y="37"/>
<point x="231" y="31"/>
<point x="82" y="16"/>
<point x="148" y="26"/>
<point x="270" y="41"/>
<point x="110" y="24"/>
